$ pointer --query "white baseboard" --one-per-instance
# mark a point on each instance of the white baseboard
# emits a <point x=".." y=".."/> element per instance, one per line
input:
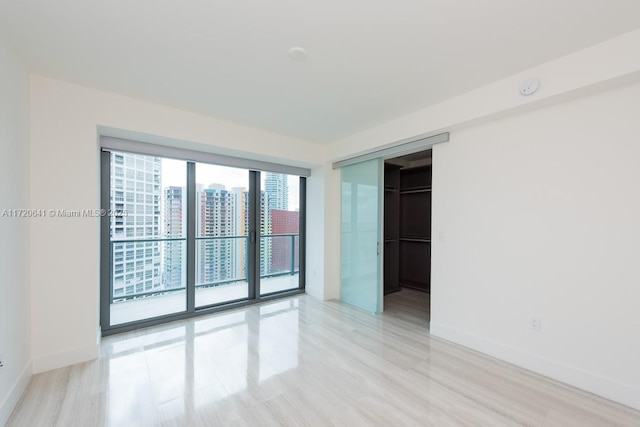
<point x="588" y="381"/>
<point x="12" y="399"/>
<point x="66" y="358"/>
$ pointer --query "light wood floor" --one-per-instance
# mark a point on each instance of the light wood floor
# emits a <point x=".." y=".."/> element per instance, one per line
<point x="303" y="362"/>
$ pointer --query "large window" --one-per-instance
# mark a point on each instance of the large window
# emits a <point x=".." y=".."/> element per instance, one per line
<point x="181" y="237"/>
<point x="147" y="237"/>
<point x="222" y="234"/>
<point x="279" y="232"/>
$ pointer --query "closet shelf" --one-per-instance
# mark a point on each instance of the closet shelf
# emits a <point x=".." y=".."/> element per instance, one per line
<point x="415" y="190"/>
<point x="407" y="222"/>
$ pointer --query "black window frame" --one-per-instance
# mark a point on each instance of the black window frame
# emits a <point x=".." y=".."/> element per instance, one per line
<point x="109" y="145"/>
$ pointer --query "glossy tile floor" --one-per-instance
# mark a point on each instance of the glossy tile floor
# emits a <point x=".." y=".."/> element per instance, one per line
<point x="300" y="361"/>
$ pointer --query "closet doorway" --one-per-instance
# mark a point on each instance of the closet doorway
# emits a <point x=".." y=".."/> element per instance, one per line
<point x="385" y="228"/>
<point x="407" y="234"/>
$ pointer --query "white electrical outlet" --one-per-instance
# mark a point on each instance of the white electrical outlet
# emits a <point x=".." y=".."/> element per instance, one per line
<point x="535" y="324"/>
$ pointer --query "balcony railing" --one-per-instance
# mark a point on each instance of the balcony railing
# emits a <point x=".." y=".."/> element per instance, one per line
<point x="290" y="270"/>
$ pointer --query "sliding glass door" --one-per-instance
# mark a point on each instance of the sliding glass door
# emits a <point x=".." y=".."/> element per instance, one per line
<point x="180" y="238"/>
<point x="360" y="238"/>
<point x="279" y="232"/>
<point x="147" y="237"/>
<point x="222" y="234"/>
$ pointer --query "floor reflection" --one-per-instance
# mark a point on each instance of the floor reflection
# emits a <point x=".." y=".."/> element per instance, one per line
<point x="203" y="362"/>
<point x="278" y="338"/>
<point x="301" y="361"/>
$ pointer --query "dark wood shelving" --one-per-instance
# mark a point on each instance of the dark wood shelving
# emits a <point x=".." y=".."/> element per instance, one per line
<point x="407" y="228"/>
<point x="415" y="228"/>
<point x="391" y="228"/>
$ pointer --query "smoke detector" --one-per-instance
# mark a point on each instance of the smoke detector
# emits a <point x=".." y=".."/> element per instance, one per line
<point x="529" y="87"/>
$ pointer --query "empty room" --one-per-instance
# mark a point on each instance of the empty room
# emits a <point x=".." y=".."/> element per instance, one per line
<point x="319" y="213"/>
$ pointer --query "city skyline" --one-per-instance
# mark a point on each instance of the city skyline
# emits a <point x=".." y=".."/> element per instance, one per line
<point x="152" y="209"/>
<point x="174" y="174"/>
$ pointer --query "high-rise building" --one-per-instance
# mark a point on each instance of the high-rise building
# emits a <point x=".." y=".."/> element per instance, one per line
<point x="218" y="216"/>
<point x="265" y="229"/>
<point x="276" y="186"/>
<point x="173" y="275"/>
<point x="242" y="230"/>
<point x="135" y="197"/>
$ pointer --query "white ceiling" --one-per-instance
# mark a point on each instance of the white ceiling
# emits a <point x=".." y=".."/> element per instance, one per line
<point x="369" y="61"/>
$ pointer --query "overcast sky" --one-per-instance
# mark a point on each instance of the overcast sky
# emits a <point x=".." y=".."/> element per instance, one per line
<point x="174" y="174"/>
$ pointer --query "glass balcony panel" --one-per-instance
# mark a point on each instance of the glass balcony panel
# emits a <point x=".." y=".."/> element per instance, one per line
<point x="221" y="270"/>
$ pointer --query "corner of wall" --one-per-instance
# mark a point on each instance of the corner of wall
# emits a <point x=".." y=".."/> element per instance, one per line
<point x="332" y="234"/>
<point x="562" y="78"/>
<point x="15" y="231"/>
<point x="315" y="233"/>
<point x="16" y="391"/>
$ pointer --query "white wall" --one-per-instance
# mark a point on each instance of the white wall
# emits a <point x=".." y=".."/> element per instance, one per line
<point x="534" y="201"/>
<point x="315" y="233"/>
<point x="323" y="274"/>
<point x="64" y="161"/>
<point x="538" y="216"/>
<point x="14" y="232"/>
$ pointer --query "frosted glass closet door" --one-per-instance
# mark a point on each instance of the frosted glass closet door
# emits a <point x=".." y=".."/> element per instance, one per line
<point x="360" y="247"/>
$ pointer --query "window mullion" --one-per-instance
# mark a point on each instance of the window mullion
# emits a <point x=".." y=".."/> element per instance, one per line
<point x="106" y="291"/>
<point x="191" y="236"/>
<point x="254" y="234"/>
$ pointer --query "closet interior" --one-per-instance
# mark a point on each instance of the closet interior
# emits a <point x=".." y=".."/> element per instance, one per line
<point x="407" y="223"/>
